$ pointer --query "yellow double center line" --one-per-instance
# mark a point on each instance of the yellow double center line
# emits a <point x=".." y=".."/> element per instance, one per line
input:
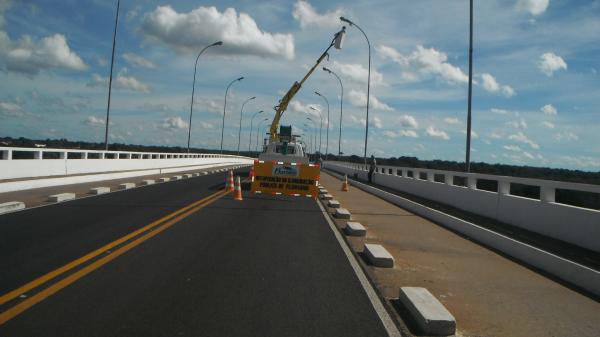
<point x="153" y="229"/>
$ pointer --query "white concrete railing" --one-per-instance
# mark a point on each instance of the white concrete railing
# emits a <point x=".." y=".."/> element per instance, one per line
<point x="72" y="162"/>
<point x="576" y="225"/>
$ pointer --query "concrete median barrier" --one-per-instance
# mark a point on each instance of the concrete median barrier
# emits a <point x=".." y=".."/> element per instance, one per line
<point x="326" y="197"/>
<point x="147" y="182"/>
<point x="164" y="179"/>
<point x="378" y="256"/>
<point x="333" y="204"/>
<point x="11" y="206"/>
<point x="61" y="197"/>
<point x="176" y="177"/>
<point x="187" y="175"/>
<point x="126" y="186"/>
<point x="427" y="312"/>
<point x="342" y="213"/>
<point x="355" y="229"/>
<point x="99" y="190"/>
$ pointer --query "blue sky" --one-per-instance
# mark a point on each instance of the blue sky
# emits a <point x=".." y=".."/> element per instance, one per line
<point x="536" y="96"/>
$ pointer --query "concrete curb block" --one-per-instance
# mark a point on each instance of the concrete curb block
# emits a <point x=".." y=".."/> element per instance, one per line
<point x="355" y="229"/>
<point x="196" y="174"/>
<point x="378" y="256"/>
<point x="99" y="190"/>
<point x="176" y="178"/>
<point x="430" y="315"/>
<point x="147" y="182"/>
<point x="204" y="173"/>
<point x="342" y="213"/>
<point x="333" y="204"/>
<point x="126" y="186"/>
<point x="326" y="196"/>
<point x="61" y="197"/>
<point x="569" y="271"/>
<point x="164" y="179"/>
<point x="11" y="206"/>
<point x="187" y="175"/>
<point x="323" y="191"/>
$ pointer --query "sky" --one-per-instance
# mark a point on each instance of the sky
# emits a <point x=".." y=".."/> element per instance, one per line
<point x="536" y="64"/>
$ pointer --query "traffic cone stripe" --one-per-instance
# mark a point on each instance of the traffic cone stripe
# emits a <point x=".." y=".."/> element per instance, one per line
<point x="229" y="182"/>
<point x="345" y="184"/>
<point x="238" y="189"/>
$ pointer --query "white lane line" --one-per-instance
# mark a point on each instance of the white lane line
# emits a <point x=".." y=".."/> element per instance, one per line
<point x="386" y="320"/>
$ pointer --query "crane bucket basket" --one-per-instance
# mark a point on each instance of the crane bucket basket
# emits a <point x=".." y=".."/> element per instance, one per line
<point x="283" y="178"/>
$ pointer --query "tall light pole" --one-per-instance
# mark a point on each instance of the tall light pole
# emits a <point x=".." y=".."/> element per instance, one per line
<point x="241" y="114"/>
<point x="327" y="133"/>
<point x="225" y="107"/>
<point x="341" y="108"/>
<point x="251" y="121"/>
<point x="468" y="152"/>
<point x="218" y="43"/>
<point x="314" y="133"/>
<point x="310" y="138"/>
<point x="320" y="129"/>
<point x="258" y="131"/>
<point x="112" y="62"/>
<point x="368" y="83"/>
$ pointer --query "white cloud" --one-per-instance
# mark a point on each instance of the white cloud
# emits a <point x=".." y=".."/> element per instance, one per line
<point x="549" y="110"/>
<point x="474" y="134"/>
<point x="11" y="109"/>
<point x="514" y="148"/>
<point x="566" y="136"/>
<point x="428" y="61"/>
<point x="359" y="99"/>
<point x="139" y="61"/>
<point x="307" y="16"/>
<point x="94" y="121"/>
<point x="534" y="7"/>
<point x="518" y="124"/>
<point x="297" y="106"/>
<point x="28" y="56"/>
<point x="490" y="84"/>
<point x="547" y="124"/>
<point x="528" y="155"/>
<point x="499" y="111"/>
<point x="173" y="123"/>
<point x="451" y="120"/>
<point x="408" y="121"/>
<point x="377" y="122"/>
<point x="357" y="73"/>
<point x="550" y="62"/>
<point x="522" y="138"/>
<point x="204" y="25"/>
<point x="121" y="81"/>
<point x="435" y="133"/>
<point x="401" y="133"/>
<point x="581" y="161"/>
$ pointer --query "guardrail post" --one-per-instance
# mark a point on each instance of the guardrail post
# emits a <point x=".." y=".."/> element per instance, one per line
<point x="471" y="182"/>
<point x="63" y="155"/>
<point x="547" y="194"/>
<point x="504" y="187"/>
<point x="38" y="155"/>
<point x="429" y="176"/>
<point x="449" y="179"/>
<point x="7" y="154"/>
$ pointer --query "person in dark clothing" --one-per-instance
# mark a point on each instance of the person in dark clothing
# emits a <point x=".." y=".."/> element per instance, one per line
<point x="372" y="168"/>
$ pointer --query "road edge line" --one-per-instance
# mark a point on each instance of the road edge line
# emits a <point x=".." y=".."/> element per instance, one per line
<point x="385" y="318"/>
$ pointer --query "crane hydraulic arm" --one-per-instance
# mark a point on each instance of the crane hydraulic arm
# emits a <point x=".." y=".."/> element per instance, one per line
<point x="337" y="41"/>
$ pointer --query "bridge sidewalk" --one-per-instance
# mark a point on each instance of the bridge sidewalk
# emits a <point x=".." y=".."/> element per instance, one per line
<point x="489" y="294"/>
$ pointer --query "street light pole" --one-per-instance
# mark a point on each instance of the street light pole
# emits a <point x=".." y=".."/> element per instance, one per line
<point x="112" y="62"/>
<point x="468" y="152"/>
<point x="218" y="43"/>
<point x="341" y="108"/>
<point x="368" y="83"/>
<point x="320" y="129"/>
<point x="224" y="109"/>
<point x="240" y="130"/>
<point x="250" y="138"/>
<point x="314" y="133"/>
<point x="258" y="131"/>
<point x="327" y="133"/>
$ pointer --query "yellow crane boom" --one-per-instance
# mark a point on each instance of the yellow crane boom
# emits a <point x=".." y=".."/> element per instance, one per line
<point x="283" y="103"/>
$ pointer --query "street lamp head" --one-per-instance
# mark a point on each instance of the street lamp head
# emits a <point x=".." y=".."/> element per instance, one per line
<point x="261" y="111"/>
<point x="241" y="78"/>
<point x="316" y="92"/>
<point x="313" y="108"/>
<point x="253" y="97"/>
<point x="346" y="20"/>
<point x="218" y="43"/>
<point x="327" y="70"/>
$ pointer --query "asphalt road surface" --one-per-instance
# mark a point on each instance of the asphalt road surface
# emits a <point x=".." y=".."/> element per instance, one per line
<point x="259" y="267"/>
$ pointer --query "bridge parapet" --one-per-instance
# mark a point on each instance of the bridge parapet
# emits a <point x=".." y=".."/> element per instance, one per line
<point x="527" y="203"/>
<point x="23" y="163"/>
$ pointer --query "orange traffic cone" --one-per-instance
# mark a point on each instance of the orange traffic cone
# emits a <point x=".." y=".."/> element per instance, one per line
<point x="252" y="173"/>
<point x="237" y="194"/>
<point x="229" y="182"/>
<point x="345" y="184"/>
